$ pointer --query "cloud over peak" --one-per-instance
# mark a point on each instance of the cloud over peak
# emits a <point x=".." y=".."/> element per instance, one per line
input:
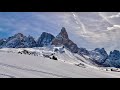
<point x="87" y="29"/>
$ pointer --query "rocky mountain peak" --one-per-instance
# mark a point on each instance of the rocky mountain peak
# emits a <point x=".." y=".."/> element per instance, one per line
<point x="99" y="55"/>
<point x="115" y="55"/>
<point x="45" y="39"/>
<point x="19" y="35"/>
<point x="63" y="33"/>
<point x="62" y="39"/>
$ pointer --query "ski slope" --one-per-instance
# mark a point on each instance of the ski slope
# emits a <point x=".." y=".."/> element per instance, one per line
<point x="13" y="65"/>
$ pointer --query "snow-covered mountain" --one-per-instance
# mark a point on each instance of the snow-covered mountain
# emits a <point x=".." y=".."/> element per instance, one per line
<point x="93" y="29"/>
<point x="2" y="41"/>
<point x="113" y="59"/>
<point x="80" y="49"/>
<point x="18" y="41"/>
<point x="96" y="57"/>
<point x="45" y="39"/>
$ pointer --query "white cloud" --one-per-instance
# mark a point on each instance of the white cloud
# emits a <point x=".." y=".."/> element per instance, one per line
<point x="99" y="28"/>
<point x="114" y="16"/>
<point x="114" y="27"/>
<point x="104" y="17"/>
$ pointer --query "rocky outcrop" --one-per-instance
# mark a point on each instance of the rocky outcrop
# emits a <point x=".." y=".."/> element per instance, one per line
<point x="63" y="39"/>
<point x="19" y="41"/>
<point x="15" y="41"/>
<point x="2" y="42"/>
<point x="113" y="59"/>
<point x="98" y="55"/>
<point x="30" y="42"/>
<point x="83" y="51"/>
<point x="45" y="39"/>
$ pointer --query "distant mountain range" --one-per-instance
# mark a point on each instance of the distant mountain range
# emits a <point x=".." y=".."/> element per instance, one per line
<point x="98" y="56"/>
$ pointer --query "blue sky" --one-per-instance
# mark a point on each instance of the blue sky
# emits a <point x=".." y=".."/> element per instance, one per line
<point x="26" y="23"/>
<point x="86" y="29"/>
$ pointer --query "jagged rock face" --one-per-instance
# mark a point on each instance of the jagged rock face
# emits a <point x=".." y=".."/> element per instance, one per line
<point x="20" y="41"/>
<point x="2" y="42"/>
<point x="113" y="59"/>
<point x="63" y="39"/>
<point x="63" y="33"/>
<point x="98" y="55"/>
<point x="115" y="55"/>
<point x="83" y="51"/>
<point x="30" y="42"/>
<point x="15" y="41"/>
<point x="18" y="36"/>
<point x="71" y="46"/>
<point x="45" y="39"/>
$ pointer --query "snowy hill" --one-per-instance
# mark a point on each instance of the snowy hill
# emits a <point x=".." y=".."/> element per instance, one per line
<point x="14" y="65"/>
<point x="61" y="54"/>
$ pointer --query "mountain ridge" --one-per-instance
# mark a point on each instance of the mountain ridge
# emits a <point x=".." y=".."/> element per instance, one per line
<point x="97" y="55"/>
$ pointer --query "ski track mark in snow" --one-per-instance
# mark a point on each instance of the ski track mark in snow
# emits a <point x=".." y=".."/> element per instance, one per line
<point x="32" y="70"/>
<point x="10" y="76"/>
